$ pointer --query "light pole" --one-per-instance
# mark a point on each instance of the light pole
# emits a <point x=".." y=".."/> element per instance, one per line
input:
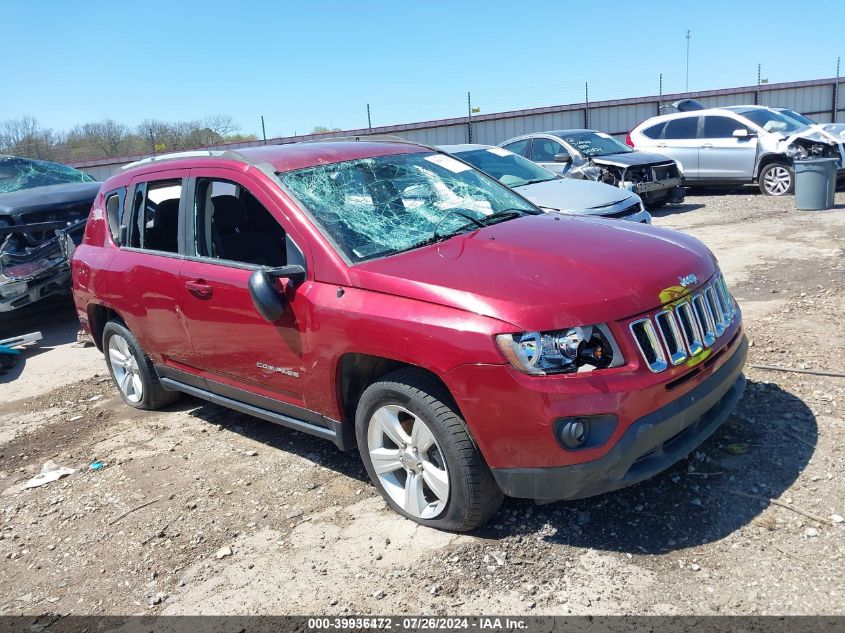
<point x="686" y="89"/>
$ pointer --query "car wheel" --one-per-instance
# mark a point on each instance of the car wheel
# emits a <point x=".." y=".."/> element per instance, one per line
<point x="419" y="454"/>
<point x="777" y="179"/>
<point x="132" y="371"/>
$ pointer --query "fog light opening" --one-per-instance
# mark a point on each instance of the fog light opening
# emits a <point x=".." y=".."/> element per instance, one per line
<point x="575" y="432"/>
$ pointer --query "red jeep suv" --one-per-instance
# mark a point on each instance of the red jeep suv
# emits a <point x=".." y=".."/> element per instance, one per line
<point x="388" y="296"/>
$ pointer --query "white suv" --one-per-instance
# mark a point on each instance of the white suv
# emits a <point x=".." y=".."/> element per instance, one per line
<point x="734" y="145"/>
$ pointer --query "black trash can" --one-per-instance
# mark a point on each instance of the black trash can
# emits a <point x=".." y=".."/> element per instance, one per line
<point x="815" y="183"/>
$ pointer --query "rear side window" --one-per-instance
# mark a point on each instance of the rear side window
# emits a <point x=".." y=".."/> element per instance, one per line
<point x="685" y="128"/>
<point x="517" y="147"/>
<point x="721" y="127"/>
<point x="154" y="224"/>
<point x="654" y="131"/>
<point x="114" y="211"/>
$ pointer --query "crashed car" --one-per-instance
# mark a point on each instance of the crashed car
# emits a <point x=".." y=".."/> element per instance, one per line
<point x="43" y="210"/>
<point x="592" y="155"/>
<point x="833" y="131"/>
<point x="736" y="145"/>
<point x="548" y="190"/>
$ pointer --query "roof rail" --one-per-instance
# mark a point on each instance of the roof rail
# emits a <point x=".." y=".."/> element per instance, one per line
<point x="199" y="153"/>
<point x="375" y="138"/>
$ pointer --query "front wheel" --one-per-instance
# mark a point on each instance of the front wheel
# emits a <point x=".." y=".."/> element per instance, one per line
<point x="777" y="179"/>
<point x="419" y="454"/>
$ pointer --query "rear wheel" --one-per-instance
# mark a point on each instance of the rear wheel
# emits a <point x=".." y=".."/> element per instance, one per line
<point x="132" y="371"/>
<point x="418" y="452"/>
<point x="777" y="179"/>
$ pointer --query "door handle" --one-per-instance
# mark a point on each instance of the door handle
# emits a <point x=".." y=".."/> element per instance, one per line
<point x="707" y="146"/>
<point x="661" y="145"/>
<point x="199" y="289"/>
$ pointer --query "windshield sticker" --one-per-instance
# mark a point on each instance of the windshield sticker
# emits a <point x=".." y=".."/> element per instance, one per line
<point x="447" y="162"/>
<point x="498" y="151"/>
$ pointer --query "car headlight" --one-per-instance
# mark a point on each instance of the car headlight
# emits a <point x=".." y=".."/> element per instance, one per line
<point x="560" y="351"/>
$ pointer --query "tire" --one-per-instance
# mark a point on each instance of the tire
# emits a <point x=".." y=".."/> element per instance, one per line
<point x="132" y="371"/>
<point x="407" y="398"/>
<point x="659" y="203"/>
<point x="777" y="179"/>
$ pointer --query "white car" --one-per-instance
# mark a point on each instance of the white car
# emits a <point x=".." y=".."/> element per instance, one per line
<point x="548" y="190"/>
<point x="735" y="145"/>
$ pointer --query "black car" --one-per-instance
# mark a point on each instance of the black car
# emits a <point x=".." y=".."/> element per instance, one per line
<point x="43" y="210"/>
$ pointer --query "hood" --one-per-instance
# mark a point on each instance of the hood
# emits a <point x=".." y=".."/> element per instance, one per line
<point x="546" y="271"/>
<point x="631" y="158"/>
<point x="578" y="196"/>
<point x="50" y="196"/>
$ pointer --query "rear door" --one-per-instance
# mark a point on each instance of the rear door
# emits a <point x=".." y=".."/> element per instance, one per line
<point x="235" y="228"/>
<point x="144" y="283"/>
<point x="722" y="155"/>
<point x="680" y="142"/>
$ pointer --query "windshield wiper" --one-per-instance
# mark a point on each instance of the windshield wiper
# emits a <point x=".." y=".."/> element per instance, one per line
<point x="502" y="216"/>
<point x="536" y="180"/>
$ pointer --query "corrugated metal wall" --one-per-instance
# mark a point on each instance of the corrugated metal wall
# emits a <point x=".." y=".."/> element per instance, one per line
<point x="813" y="98"/>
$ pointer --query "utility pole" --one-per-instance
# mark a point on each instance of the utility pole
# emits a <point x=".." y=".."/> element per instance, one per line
<point x="469" y="118"/>
<point x="660" y="93"/>
<point x="263" y="131"/>
<point x="587" y="104"/>
<point x="369" y="120"/>
<point x="689" y="34"/>
<point x="836" y="94"/>
<point x="152" y="140"/>
<point x="757" y="93"/>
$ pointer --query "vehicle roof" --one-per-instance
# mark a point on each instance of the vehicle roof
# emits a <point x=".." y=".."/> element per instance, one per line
<point x="292" y="155"/>
<point x="570" y="131"/>
<point x="464" y="147"/>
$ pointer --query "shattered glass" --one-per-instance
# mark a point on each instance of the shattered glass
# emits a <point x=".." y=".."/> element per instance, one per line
<point x="374" y="207"/>
<point x="24" y="173"/>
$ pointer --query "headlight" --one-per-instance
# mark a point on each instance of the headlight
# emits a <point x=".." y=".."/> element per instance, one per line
<point x="560" y="351"/>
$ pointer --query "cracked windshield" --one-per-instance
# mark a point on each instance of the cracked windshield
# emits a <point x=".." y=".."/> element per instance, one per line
<point x="22" y="173"/>
<point x="381" y="206"/>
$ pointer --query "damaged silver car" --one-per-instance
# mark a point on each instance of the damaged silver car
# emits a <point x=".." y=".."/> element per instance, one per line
<point x="592" y="155"/>
<point x="737" y="145"/>
<point x="43" y="210"/>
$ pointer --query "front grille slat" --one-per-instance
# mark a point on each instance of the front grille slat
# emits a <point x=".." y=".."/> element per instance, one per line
<point x="678" y="332"/>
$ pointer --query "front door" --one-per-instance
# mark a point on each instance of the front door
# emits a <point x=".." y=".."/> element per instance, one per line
<point x="235" y="230"/>
<point x="543" y="151"/>
<point x="722" y="155"/>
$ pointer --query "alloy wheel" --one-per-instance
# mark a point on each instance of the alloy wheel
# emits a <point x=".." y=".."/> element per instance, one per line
<point x="777" y="181"/>
<point x="408" y="462"/>
<point x="125" y="369"/>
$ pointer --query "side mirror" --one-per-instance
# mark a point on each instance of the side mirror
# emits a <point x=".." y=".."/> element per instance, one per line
<point x="563" y="158"/>
<point x="269" y="302"/>
<point x="742" y="134"/>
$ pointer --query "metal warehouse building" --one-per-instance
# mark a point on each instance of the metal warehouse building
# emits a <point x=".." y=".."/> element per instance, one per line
<point x="820" y="99"/>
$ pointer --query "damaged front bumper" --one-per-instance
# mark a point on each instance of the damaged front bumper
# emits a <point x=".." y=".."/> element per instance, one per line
<point x="31" y="274"/>
<point x="658" y="183"/>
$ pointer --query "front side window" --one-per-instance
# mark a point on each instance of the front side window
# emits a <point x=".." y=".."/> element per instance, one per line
<point x="596" y="144"/>
<point x="155" y="216"/>
<point x="721" y="127"/>
<point x="509" y="169"/>
<point x="543" y="150"/>
<point x="376" y="207"/>
<point x="682" y="129"/>
<point x="232" y="225"/>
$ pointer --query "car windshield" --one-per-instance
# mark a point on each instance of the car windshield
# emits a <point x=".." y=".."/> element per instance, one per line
<point x="24" y="173"/>
<point x="595" y="144"/>
<point x="795" y="116"/>
<point x="772" y="121"/>
<point x="506" y="167"/>
<point x="374" y="207"/>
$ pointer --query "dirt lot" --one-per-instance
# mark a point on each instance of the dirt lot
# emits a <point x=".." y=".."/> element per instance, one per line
<point x="229" y="514"/>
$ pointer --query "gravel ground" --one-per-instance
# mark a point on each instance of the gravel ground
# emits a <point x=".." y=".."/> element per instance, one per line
<point x="202" y="510"/>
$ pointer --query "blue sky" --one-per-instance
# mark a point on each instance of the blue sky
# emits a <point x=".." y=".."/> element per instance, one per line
<point x="319" y="63"/>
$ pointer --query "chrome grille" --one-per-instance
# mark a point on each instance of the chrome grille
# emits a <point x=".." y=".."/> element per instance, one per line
<point x="686" y="329"/>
